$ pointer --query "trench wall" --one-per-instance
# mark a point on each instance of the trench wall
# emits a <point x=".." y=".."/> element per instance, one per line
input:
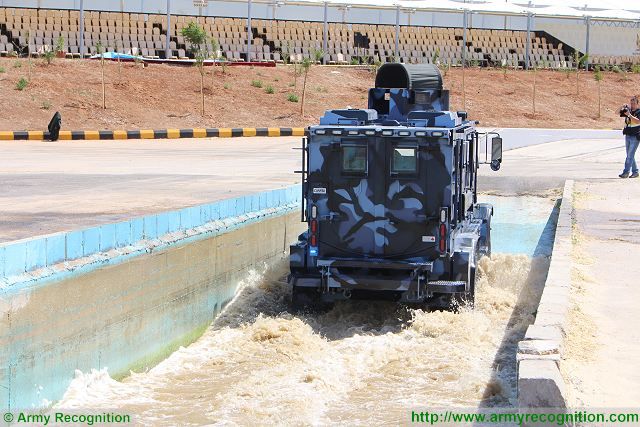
<point x="126" y="295"/>
<point x="540" y="382"/>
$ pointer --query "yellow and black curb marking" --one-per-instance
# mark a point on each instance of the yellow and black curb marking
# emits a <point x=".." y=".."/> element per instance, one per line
<point x="66" y="135"/>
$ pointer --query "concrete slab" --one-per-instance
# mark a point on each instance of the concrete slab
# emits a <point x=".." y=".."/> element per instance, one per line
<point x="540" y="385"/>
<point x="537" y="332"/>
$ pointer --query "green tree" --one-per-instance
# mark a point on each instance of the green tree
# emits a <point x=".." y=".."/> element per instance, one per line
<point x="100" y="51"/>
<point x="196" y="36"/>
<point x="580" y="61"/>
<point x="305" y="67"/>
<point x="216" y="55"/>
<point x="598" y="76"/>
<point x="48" y="56"/>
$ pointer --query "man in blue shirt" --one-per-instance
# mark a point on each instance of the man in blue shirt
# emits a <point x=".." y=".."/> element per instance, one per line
<point x="631" y="133"/>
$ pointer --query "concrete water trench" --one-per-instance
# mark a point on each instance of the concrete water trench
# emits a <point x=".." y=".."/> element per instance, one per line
<point x="362" y="362"/>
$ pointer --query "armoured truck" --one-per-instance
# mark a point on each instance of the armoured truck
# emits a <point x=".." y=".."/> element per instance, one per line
<point x="389" y="198"/>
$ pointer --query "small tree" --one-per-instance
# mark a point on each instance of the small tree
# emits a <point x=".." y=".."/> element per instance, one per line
<point x="48" y="56"/>
<point x="580" y="61"/>
<point x="598" y="76"/>
<point x="195" y="35"/>
<point x="215" y="54"/>
<point x="435" y="59"/>
<point x="100" y="51"/>
<point x="306" y="66"/>
<point x="535" y="86"/>
<point x="60" y="47"/>
<point x="29" y="53"/>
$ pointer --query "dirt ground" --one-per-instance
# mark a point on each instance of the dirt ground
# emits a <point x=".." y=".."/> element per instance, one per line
<point x="163" y="96"/>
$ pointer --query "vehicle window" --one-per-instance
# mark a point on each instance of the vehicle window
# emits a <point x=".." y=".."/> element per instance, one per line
<point x="354" y="159"/>
<point x="404" y="160"/>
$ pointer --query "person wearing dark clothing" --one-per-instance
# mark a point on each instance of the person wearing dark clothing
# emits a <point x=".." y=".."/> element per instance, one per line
<point x="631" y="133"/>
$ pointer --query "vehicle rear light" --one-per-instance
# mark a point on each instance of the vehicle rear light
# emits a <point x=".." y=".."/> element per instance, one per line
<point x="314" y="226"/>
<point x="443" y="237"/>
<point x="314" y="240"/>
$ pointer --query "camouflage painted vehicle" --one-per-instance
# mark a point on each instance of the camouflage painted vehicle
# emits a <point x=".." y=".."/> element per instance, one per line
<point x="389" y="196"/>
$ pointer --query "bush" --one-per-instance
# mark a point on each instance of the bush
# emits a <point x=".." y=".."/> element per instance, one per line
<point x="636" y="69"/>
<point x="2" y="70"/>
<point x="269" y="89"/>
<point x="355" y="61"/>
<point x="17" y="64"/>
<point x="227" y="86"/>
<point x="22" y="83"/>
<point x="256" y="83"/>
<point x="46" y="105"/>
<point x="48" y="56"/>
<point x="292" y="97"/>
<point x="616" y="69"/>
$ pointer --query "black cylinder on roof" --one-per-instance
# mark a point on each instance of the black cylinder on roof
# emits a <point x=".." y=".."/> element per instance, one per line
<point x="409" y="76"/>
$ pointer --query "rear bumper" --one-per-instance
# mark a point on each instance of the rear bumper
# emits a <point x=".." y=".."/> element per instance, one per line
<point x="411" y="279"/>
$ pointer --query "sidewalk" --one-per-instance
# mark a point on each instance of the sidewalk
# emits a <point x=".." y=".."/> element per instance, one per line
<point x="603" y="345"/>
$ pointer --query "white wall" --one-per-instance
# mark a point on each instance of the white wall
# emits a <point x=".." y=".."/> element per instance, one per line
<point x="604" y="40"/>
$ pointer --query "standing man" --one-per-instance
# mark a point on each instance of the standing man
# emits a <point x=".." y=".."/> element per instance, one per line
<point x="631" y="133"/>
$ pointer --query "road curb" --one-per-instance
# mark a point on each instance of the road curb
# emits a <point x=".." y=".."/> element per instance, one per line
<point x="540" y="382"/>
<point x="99" y="135"/>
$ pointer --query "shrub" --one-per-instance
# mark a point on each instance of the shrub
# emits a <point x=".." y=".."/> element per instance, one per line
<point x="635" y="69"/>
<point x="292" y="97"/>
<point x="22" y="83"/>
<point x="46" y="105"/>
<point x="256" y="83"/>
<point x="17" y="64"/>
<point x="227" y="86"/>
<point x="2" y="70"/>
<point x="616" y="69"/>
<point x="48" y="56"/>
<point x="355" y="61"/>
<point x="269" y="89"/>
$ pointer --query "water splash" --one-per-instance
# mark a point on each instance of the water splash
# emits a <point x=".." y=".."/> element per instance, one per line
<point x="363" y="361"/>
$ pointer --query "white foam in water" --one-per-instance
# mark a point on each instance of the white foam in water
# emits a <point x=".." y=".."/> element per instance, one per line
<point x="363" y="361"/>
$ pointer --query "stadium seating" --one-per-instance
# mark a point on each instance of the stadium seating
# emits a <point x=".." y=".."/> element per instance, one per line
<point x="37" y="30"/>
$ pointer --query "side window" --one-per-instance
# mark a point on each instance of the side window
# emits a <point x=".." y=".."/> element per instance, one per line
<point x="404" y="160"/>
<point x="354" y="159"/>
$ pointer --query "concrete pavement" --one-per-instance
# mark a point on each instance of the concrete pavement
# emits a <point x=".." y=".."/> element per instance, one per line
<point x="50" y="187"/>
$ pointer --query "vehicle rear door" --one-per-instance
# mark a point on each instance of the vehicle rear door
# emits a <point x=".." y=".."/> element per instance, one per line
<point x="354" y="224"/>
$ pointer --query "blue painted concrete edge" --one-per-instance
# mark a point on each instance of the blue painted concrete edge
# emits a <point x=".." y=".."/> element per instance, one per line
<point x="21" y="257"/>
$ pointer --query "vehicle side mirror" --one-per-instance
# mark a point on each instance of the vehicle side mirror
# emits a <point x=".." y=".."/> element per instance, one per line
<point x="496" y="153"/>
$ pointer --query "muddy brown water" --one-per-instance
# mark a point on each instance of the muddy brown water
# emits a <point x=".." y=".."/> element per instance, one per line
<point x="362" y="362"/>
